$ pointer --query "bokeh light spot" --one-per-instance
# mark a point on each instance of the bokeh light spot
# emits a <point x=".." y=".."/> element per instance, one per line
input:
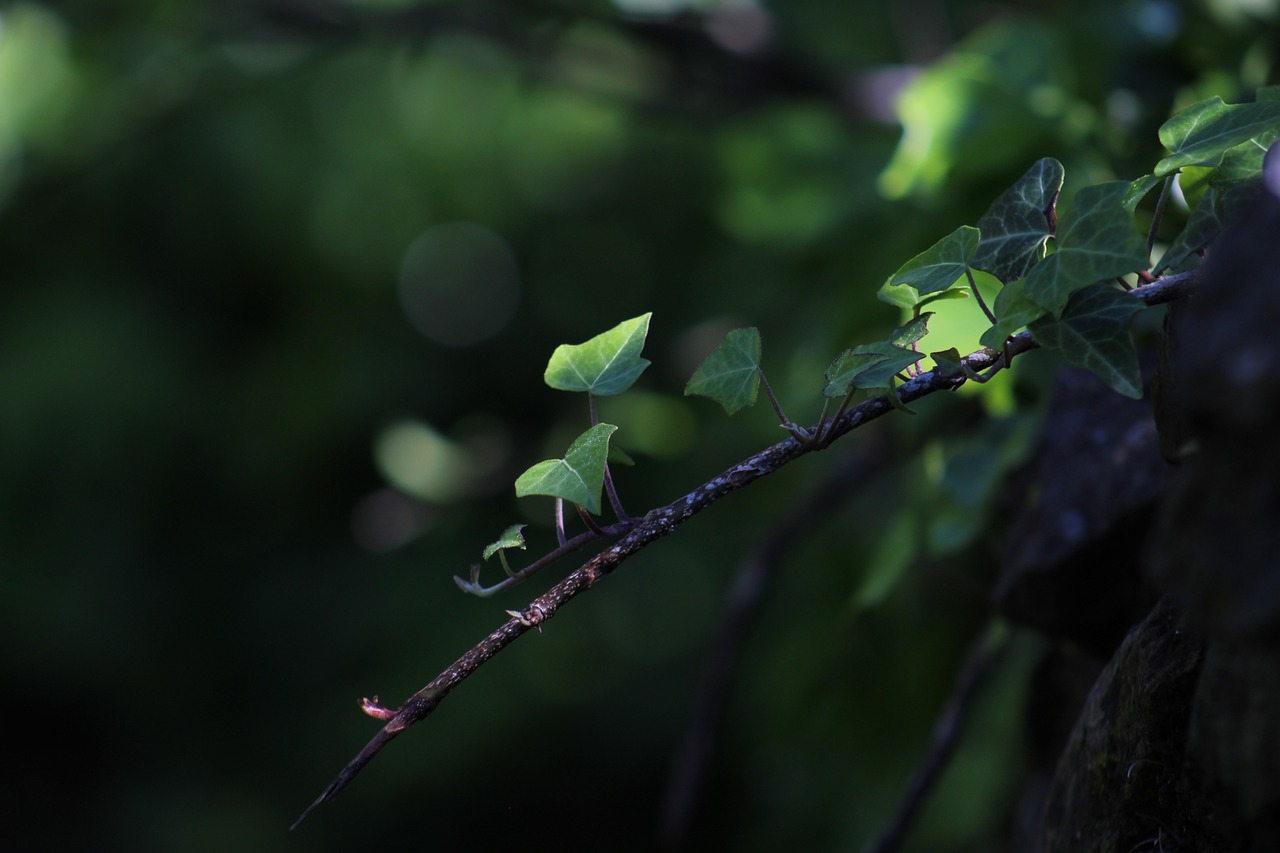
<point x="459" y="284"/>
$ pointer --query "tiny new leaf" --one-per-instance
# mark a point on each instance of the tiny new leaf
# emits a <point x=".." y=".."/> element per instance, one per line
<point x="731" y="374"/>
<point x="1093" y="333"/>
<point x="940" y="266"/>
<point x="1203" y="132"/>
<point x="1098" y="242"/>
<point x="578" y="477"/>
<point x="510" y="538"/>
<point x="1018" y="223"/>
<point x="607" y="364"/>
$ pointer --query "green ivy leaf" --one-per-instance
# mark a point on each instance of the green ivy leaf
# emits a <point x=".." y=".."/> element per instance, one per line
<point x="1138" y="191"/>
<point x="607" y="364"/>
<point x="731" y="374"/>
<point x="843" y="373"/>
<point x="874" y="365"/>
<point x="578" y="477"/>
<point x="1018" y="223"/>
<point x="1215" y="208"/>
<point x="950" y="363"/>
<point x="1098" y="243"/>
<point x="1013" y="310"/>
<point x="1093" y="333"/>
<point x="1202" y="133"/>
<point x="510" y="538"/>
<point x="940" y="266"/>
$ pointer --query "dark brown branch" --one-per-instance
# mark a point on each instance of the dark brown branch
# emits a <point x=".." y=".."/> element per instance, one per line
<point x="983" y="653"/>
<point x="746" y="596"/>
<point x="664" y="520"/>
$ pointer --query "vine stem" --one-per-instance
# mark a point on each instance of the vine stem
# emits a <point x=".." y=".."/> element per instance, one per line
<point x="663" y="521"/>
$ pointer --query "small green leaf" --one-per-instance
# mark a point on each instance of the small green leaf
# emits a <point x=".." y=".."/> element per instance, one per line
<point x="1098" y="243"/>
<point x="510" y="538"/>
<point x="874" y="365"/>
<point x="1013" y="310"/>
<point x="1093" y="333"/>
<point x="941" y="265"/>
<point x="1016" y="226"/>
<point x="578" y="477"/>
<point x="1202" y="133"/>
<point x="607" y="364"/>
<point x="731" y="374"/>
<point x="843" y="373"/>
<point x="909" y="332"/>
<point x="950" y="363"/>
<point x="957" y="293"/>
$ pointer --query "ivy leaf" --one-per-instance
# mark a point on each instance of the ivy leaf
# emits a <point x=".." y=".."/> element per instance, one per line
<point x="843" y="373"/>
<point x="1098" y="243"/>
<point x="1018" y="223"/>
<point x="510" y="538"/>
<point x="1013" y="310"/>
<point x="1206" y="221"/>
<point x="1093" y="333"/>
<point x="950" y="363"/>
<point x="578" y="477"/>
<point x="941" y="265"/>
<point x="1202" y="133"/>
<point x="731" y="374"/>
<point x="874" y="365"/>
<point x="1138" y="191"/>
<point x="605" y="365"/>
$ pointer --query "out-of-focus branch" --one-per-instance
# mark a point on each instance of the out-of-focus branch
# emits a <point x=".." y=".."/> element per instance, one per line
<point x="983" y="653"/>
<point x="751" y="585"/>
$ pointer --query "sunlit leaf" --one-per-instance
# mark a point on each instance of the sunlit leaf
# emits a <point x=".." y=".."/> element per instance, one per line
<point x="1202" y="133"/>
<point x="1093" y="333"/>
<point x="941" y="265"/>
<point x="731" y="374"/>
<point x="510" y="538"/>
<point x="1098" y="242"/>
<point x="607" y="364"/>
<point x="578" y="477"/>
<point x="1016" y="226"/>
<point x="1013" y="310"/>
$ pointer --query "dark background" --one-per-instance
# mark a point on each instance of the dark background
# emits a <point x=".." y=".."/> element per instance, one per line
<point x="279" y="283"/>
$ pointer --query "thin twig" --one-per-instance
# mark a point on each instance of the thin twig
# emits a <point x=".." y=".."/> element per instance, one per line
<point x="665" y="520"/>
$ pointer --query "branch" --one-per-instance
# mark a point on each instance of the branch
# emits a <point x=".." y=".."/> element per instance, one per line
<point x="983" y="652"/>
<point x="751" y="584"/>
<point x="665" y="520"/>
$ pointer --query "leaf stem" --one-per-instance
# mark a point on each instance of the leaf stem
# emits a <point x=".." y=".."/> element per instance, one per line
<point x="591" y="523"/>
<point x="612" y="492"/>
<point x="777" y="407"/>
<point x="560" y="521"/>
<point x="977" y="294"/>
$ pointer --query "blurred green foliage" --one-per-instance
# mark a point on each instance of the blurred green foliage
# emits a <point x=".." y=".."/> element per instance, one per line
<point x="280" y="279"/>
